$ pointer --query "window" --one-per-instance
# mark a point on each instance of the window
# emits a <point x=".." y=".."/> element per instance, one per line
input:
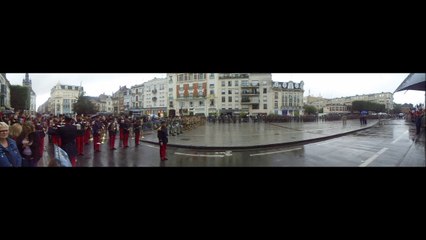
<point x="211" y="75"/>
<point x="211" y="92"/>
<point x="229" y="91"/>
<point x="137" y="99"/>
<point x="265" y="106"/>
<point x="201" y="103"/>
<point x="211" y="102"/>
<point x="276" y="105"/>
<point x="264" y="90"/>
<point x="229" y="99"/>
<point x="223" y="99"/>
<point x="276" y="95"/>
<point x="229" y="83"/>
<point x="223" y="91"/>
<point x="236" y="83"/>
<point x="223" y="84"/>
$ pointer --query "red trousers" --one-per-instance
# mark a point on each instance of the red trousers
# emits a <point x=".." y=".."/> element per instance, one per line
<point x="56" y="140"/>
<point x="73" y="161"/>
<point x="80" y="144"/>
<point x="125" y="139"/>
<point x="137" y="136"/>
<point x="163" y="147"/>
<point x="96" y="143"/>
<point x="87" y="136"/>
<point x="111" y="141"/>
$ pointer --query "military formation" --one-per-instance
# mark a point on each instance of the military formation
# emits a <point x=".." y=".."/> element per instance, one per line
<point x="72" y="133"/>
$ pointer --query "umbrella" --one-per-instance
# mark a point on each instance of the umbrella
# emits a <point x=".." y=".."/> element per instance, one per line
<point x="414" y="81"/>
<point x="61" y="157"/>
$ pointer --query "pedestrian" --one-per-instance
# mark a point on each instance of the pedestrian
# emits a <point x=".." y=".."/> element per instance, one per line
<point x="9" y="153"/>
<point x="163" y="140"/>
<point x="419" y="116"/>
<point x="137" y="130"/>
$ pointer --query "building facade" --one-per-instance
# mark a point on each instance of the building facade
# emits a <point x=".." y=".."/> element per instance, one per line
<point x="287" y="98"/>
<point x="62" y="98"/>
<point x="154" y="97"/>
<point x="4" y="93"/>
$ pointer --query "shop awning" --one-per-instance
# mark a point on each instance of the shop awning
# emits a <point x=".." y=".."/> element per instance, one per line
<point x="414" y="81"/>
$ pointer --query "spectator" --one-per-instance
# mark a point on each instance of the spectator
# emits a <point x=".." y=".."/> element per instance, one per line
<point x="9" y="154"/>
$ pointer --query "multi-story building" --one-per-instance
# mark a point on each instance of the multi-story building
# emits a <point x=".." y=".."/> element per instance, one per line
<point x="4" y="93"/>
<point x="62" y="98"/>
<point x="232" y="93"/>
<point x="118" y="100"/>
<point x="381" y="98"/>
<point x="105" y="103"/>
<point x="44" y="108"/>
<point x="137" y="97"/>
<point x="287" y="98"/>
<point x="154" y="99"/>
<point x="187" y="93"/>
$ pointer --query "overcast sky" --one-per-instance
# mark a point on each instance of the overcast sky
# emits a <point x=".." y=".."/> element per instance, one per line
<point x="326" y="85"/>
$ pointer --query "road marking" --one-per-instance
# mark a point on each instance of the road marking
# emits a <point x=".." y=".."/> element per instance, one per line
<point x="371" y="159"/>
<point x="266" y="153"/>
<point x="198" y="155"/>
<point x="394" y="141"/>
<point x="150" y="146"/>
<point x="325" y="142"/>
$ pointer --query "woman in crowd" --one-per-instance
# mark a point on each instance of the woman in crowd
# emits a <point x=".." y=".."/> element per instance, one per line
<point x="9" y="153"/>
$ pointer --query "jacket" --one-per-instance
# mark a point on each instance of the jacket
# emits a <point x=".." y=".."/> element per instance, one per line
<point x="14" y="153"/>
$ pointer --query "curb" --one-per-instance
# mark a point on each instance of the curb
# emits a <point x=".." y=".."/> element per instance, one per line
<point x="265" y="145"/>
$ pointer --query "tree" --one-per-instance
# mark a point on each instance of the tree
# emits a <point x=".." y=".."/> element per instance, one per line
<point x="20" y="97"/>
<point x="84" y="106"/>
<point x="367" y="106"/>
<point x="396" y="108"/>
<point x="310" y="109"/>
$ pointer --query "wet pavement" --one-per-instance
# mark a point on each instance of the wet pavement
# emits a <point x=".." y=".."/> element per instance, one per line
<point x="393" y="143"/>
<point x="253" y="135"/>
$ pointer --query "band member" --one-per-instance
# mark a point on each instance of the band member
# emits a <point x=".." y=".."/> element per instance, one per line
<point x="126" y="130"/>
<point x="96" y="131"/>
<point x="163" y="140"/>
<point x="87" y="130"/>
<point x="80" y="135"/>
<point x="112" y="130"/>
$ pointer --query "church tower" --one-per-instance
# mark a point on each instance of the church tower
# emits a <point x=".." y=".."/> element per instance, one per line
<point x="27" y="81"/>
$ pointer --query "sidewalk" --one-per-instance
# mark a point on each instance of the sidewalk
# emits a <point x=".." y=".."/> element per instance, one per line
<point x="255" y="135"/>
